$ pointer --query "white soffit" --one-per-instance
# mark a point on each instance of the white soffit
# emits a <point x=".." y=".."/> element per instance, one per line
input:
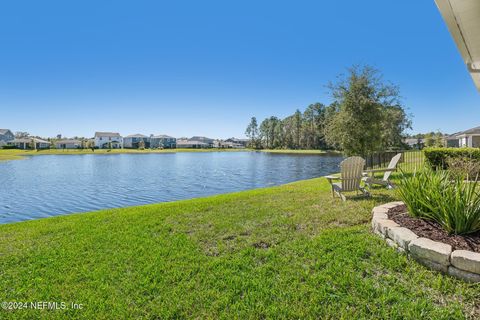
<point x="463" y="21"/>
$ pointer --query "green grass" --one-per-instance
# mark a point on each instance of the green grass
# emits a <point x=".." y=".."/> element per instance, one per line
<point x="15" y="154"/>
<point x="283" y="252"/>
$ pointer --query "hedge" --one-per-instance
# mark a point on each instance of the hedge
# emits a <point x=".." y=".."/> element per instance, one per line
<point x="9" y="147"/>
<point x="437" y="157"/>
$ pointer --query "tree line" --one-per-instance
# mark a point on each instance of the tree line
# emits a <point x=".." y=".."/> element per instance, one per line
<point x="366" y="115"/>
<point x="430" y="139"/>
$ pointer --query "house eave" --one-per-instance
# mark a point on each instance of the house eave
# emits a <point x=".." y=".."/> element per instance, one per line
<point x="463" y="21"/>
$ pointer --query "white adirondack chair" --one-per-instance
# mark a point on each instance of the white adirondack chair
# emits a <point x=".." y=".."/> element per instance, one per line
<point x="392" y="166"/>
<point x="351" y="173"/>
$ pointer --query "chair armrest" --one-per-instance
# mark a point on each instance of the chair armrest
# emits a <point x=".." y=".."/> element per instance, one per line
<point x="332" y="178"/>
<point x="379" y="170"/>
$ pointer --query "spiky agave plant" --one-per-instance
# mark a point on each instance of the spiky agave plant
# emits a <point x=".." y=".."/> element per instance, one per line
<point x="442" y="197"/>
<point x="459" y="208"/>
<point x="418" y="191"/>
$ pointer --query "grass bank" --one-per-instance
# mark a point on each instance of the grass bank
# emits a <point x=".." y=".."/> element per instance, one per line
<point x="283" y="252"/>
<point x="14" y="154"/>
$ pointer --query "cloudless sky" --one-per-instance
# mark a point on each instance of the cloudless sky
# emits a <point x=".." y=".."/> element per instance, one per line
<point x="205" y="67"/>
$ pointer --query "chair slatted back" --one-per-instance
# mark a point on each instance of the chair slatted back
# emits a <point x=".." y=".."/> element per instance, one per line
<point x="351" y="172"/>
<point x="392" y="165"/>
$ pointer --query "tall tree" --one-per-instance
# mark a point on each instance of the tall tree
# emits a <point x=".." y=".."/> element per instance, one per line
<point x="363" y="119"/>
<point x="297" y="126"/>
<point x="268" y="132"/>
<point x="313" y="131"/>
<point x="288" y="125"/>
<point x="265" y="136"/>
<point x="252" y="133"/>
<point x="278" y="134"/>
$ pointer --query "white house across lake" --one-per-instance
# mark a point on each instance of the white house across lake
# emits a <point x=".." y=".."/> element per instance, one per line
<point x="68" y="144"/>
<point x="134" y="141"/>
<point x="163" y="141"/>
<point x="108" y="140"/>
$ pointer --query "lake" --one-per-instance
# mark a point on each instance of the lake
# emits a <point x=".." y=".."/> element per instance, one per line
<point x="50" y="185"/>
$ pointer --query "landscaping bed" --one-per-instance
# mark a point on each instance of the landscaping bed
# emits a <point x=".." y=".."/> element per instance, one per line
<point x="427" y="243"/>
<point x="433" y="231"/>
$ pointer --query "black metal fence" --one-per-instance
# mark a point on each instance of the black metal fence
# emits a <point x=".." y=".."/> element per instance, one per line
<point x="410" y="161"/>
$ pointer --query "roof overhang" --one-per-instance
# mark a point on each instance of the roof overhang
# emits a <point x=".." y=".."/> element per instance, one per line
<point x="463" y="20"/>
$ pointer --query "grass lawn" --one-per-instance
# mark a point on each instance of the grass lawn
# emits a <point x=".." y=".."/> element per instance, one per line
<point x="15" y="154"/>
<point x="282" y="252"/>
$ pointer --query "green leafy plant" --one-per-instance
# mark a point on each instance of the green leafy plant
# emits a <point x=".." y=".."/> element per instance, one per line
<point x="442" y="197"/>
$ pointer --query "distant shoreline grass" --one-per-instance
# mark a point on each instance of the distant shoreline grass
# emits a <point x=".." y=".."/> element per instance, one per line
<point x="288" y="252"/>
<point x="16" y="154"/>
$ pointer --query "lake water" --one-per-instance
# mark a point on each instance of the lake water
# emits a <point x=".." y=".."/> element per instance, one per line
<point x="49" y="185"/>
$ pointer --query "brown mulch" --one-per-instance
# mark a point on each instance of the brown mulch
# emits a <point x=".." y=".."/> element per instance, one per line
<point x="433" y="231"/>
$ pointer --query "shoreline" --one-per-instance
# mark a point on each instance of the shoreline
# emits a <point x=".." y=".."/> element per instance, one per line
<point x="16" y="154"/>
<point x="170" y="202"/>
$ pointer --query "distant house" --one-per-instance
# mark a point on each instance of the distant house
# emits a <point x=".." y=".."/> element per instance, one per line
<point x="6" y="136"/>
<point x="467" y="138"/>
<point x="163" y="141"/>
<point x="26" y="143"/>
<point x="108" y="140"/>
<point x="415" y="143"/>
<point x="221" y="144"/>
<point x="68" y="144"/>
<point x="192" y="144"/>
<point x="242" y="142"/>
<point x="133" y="141"/>
<point x="207" y="141"/>
<point x="452" y="141"/>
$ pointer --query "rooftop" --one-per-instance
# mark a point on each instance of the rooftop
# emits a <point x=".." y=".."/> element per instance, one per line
<point x="180" y="142"/>
<point x="475" y="130"/>
<point x="29" y="139"/>
<point x="107" y="134"/>
<point x="138" y="135"/>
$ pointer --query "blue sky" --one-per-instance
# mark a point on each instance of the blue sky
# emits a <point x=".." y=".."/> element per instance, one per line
<point x="205" y="67"/>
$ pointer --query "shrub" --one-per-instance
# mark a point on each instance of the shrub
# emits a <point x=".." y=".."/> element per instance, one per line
<point x="444" y="198"/>
<point x="464" y="167"/>
<point x="437" y="158"/>
<point x="9" y="147"/>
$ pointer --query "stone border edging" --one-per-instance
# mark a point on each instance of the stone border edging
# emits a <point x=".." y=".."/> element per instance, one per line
<point x="462" y="264"/>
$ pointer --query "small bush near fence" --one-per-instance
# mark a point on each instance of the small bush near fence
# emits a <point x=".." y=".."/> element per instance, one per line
<point x="439" y="158"/>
